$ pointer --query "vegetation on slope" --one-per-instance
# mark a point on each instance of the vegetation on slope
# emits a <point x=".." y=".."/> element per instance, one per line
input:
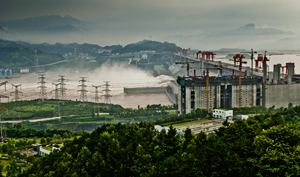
<point x="250" y="147"/>
<point x="22" y="57"/>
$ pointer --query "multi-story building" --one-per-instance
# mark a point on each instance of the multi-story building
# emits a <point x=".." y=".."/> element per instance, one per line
<point x="223" y="93"/>
<point x="223" y="114"/>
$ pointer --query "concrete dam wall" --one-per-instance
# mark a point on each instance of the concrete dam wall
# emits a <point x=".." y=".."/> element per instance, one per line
<point x="282" y="95"/>
<point x="145" y="90"/>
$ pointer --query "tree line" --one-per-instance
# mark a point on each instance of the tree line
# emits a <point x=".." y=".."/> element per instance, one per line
<point x="262" y="145"/>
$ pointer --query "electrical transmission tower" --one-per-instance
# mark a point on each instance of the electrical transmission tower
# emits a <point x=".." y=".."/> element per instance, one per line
<point x="17" y="109"/>
<point x="3" y="96"/>
<point x="83" y="95"/>
<point x="106" y="92"/>
<point x="62" y="88"/>
<point x="96" y="93"/>
<point x="96" y="97"/>
<point x="42" y="87"/>
<point x="55" y="91"/>
<point x="16" y="92"/>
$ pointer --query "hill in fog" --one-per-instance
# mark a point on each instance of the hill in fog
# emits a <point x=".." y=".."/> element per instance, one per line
<point x="248" y="36"/>
<point x="42" y="23"/>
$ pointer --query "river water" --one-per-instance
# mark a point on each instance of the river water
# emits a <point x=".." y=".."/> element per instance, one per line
<point x="119" y="76"/>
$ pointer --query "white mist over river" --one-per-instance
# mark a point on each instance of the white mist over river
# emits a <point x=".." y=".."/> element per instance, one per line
<point x="120" y="75"/>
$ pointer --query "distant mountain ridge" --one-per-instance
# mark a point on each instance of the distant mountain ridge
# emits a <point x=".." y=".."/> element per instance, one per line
<point x="252" y="29"/>
<point x="62" y="29"/>
<point x="248" y="36"/>
<point x="21" y="54"/>
<point x="49" y="24"/>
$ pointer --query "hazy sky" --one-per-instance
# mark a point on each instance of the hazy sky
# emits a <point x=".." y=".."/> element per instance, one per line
<point x="158" y="18"/>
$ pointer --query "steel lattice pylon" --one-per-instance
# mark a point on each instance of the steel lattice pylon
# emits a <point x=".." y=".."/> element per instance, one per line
<point x="62" y="89"/>
<point x="83" y="91"/>
<point x="106" y="93"/>
<point x="42" y="87"/>
<point x="96" y="108"/>
<point x="16" y="92"/>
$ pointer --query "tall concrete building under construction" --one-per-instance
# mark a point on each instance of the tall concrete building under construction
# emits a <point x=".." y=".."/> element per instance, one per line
<point x="223" y="92"/>
<point x="261" y="88"/>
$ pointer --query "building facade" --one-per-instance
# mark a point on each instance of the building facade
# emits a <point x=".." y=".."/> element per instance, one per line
<point x="223" y="92"/>
<point x="223" y="114"/>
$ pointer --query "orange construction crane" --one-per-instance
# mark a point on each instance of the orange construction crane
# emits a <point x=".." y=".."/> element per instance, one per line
<point x="239" y="58"/>
<point x="207" y="80"/>
<point x="252" y="57"/>
<point x="187" y="65"/>
<point x="220" y="66"/>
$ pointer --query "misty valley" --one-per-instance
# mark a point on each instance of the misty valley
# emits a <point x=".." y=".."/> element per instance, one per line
<point x="138" y="88"/>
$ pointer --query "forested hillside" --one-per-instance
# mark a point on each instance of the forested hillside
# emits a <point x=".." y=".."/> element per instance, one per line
<point x="147" y="45"/>
<point x="260" y="146"/>
<point x="24" y="57"/>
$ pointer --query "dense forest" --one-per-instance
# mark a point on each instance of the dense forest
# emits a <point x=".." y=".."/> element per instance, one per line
<point x="263" y="145"/>
<point x="24" y="57"/>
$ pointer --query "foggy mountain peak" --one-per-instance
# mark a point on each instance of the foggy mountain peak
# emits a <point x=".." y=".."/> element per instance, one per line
<point x="41" y="22"/>
<point x="250" y="25"/>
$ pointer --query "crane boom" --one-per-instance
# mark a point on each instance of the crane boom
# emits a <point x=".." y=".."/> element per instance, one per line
<point x="207" y="80"/>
